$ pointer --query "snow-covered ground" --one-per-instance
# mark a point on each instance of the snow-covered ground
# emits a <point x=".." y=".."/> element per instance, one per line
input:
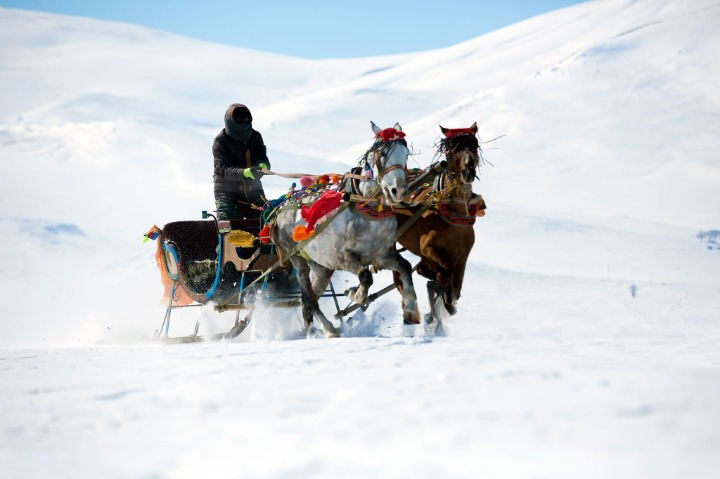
<point x="587" y="342"/>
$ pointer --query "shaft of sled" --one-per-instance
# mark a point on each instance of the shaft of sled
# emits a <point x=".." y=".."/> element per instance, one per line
<point x="428" y="175"/>
<point x="279" y="304"/>
<point x="370" y="299"/>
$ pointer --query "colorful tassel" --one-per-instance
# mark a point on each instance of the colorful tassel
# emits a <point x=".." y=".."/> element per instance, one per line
<point x="241" y="239"/>
<point x="152" y="234"/>
<point x="265" y="234"/>
<point x="301" y="233"/>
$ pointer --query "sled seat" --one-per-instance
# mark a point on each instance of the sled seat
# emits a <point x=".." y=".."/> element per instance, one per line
<point x="194" y="240"/>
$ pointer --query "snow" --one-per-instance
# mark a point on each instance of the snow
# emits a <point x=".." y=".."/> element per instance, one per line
<point x="587" y="342"/>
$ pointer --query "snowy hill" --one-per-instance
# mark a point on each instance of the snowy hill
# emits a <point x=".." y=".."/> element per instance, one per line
<point x="587" y="334"/>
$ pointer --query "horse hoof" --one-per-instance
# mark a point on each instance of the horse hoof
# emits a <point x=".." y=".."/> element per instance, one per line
<point x="430" y="325"/>
<point x="352" y="295"/>
<point x="411" y="316"/>
<point x="411" y="330"/>
<point x="332" y="333"/>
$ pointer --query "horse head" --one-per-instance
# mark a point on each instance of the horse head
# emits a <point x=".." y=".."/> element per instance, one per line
<point x="462" y="151"/>
<point x="387" y="161"/>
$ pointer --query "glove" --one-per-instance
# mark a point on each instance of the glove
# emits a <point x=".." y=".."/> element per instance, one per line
<point x="263" y="166"/>
<point x="248" y="173"/>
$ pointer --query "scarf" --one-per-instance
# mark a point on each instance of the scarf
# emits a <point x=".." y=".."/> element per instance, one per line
<point x="238" y="131"/>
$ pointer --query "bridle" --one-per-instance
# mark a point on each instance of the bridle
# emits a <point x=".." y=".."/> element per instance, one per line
<point x="372" y="164"/>
<point x="465" y="142"/>
<point x="380" y="153"/>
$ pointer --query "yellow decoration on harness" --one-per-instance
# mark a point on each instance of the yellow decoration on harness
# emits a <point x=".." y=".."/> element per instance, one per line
<point x="240" y="238"/>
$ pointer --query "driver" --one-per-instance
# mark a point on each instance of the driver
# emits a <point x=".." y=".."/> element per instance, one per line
<point x="240" y="154"/>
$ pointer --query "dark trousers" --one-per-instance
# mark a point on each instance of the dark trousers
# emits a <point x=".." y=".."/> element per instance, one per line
<point x="239" y="207"/>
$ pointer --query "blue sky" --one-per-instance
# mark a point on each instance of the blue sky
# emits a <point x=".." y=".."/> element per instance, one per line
<point x="312" y="28"/>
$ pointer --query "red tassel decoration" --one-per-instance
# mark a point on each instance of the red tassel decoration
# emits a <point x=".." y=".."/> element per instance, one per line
<point x="265" y="234"/>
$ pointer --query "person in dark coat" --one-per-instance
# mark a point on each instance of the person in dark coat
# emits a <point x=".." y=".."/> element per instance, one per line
<point x="240" y="154"/>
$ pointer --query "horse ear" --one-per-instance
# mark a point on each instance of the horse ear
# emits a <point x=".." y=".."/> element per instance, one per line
<point x="375" y="128"/>
<point x="473" y="127"/>
<point x="398" y="127"/>
<point x="443" y="129"/>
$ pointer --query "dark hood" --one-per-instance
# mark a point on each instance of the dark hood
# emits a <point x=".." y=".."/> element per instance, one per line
<point x="238" y="130"/>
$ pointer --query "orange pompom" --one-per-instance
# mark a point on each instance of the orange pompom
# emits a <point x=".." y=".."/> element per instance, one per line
<point x="335" y="179"/>
<point x="301" y="233"/>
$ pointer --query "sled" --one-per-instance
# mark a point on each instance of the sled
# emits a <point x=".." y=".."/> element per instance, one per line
<point x="223" y="263"/>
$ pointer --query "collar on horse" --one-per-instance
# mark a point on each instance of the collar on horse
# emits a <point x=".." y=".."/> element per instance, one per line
<point x="447" y="208"/>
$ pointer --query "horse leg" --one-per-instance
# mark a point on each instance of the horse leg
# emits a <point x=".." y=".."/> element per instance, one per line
<point x="399" y="286"/>
<point x="359" y="293"/>
<point x="433" y="319"/>
<point x="427" y="251"/>
<point x="307" y="311"/>
<point x="458" y="278"/>
<point x="450" y="283"/>
<point x="395" y="262"/>
<point x="447" y="290"/>
<point x="446" y="284"/>
<point x="309" y="300"/>
<point x="320" y="278"/>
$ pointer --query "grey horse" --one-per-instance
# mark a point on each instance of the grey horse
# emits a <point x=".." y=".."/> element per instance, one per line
<point x="352" y="241"/>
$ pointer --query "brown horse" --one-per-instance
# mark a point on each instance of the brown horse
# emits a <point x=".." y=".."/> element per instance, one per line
<point x="441" y="220"/>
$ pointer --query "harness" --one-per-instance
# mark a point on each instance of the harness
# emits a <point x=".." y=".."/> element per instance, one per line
<point x="372" y="212"/>
<point x="473" y="208"/>
<point x="453" y="201"/>
<point x="371" y="169"/>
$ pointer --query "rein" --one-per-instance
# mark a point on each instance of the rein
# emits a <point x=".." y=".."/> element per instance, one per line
<point x="376" y="164"/>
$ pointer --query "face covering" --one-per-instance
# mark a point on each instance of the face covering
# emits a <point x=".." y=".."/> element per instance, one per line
<point x="238" y="131"/>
